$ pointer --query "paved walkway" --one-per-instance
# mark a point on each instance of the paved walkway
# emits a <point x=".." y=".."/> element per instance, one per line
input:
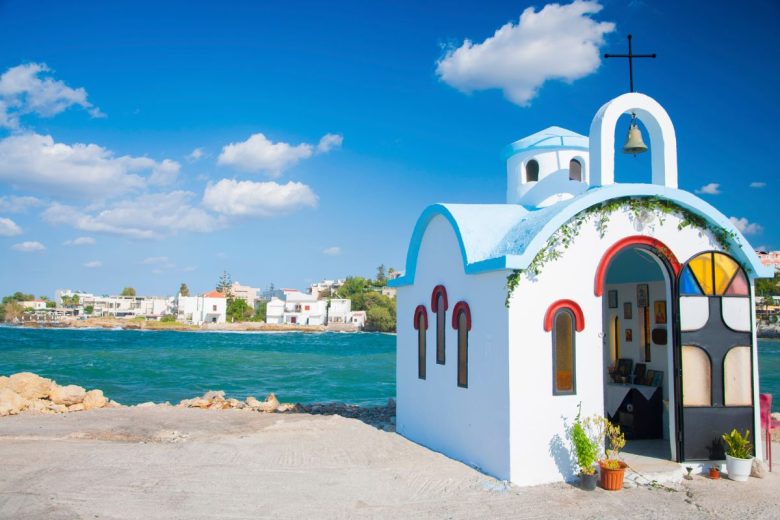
<point x="162" y="463"/>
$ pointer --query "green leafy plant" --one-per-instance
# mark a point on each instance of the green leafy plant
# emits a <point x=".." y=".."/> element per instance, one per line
<point x="737" y="445"/>
<point x="584" y="438"/>
<point x="641" y="208"/>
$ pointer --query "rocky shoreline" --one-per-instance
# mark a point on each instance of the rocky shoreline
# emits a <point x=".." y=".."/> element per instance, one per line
<point x="26" y="392"/>
<point x="765" y="331"/>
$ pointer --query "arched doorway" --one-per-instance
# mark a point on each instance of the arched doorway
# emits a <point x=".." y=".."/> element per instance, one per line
<point x="636" y="281"/>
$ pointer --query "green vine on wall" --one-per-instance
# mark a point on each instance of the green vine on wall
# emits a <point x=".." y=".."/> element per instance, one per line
<point x="642" y="208"/>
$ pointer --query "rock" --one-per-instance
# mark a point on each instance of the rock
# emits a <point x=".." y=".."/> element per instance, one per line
<point x="286" y="407"/>
<point x="67" y="395"/>
<point x="30" y="386"/>
<point x="234" y="403"/>
<point x="112" y="404"/>
<point x="253" y="403"/>
<point x="3" y="382"/>
<point x="78" y="407"/>
<point x="270" y="404"/>
<point x="199" y="402"/>
<point x="94" y="399"/>
<point x="147" y="404"/>
<point x="11" y="403"/>
<point x="390" y="428"/>
<point x="39" y="405"/>
<point x="391" y="403"/>
<point x="214" y="395"/>
<point x="758" y="469"/>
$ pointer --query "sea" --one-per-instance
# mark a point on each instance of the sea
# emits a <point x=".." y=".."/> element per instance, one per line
<point x="132" y="366"/>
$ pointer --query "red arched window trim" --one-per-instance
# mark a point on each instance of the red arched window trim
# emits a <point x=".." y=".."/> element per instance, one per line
<point x="439" y="289"/>
<point x="420" y="309"/>
<point x="461" y="306"/>
<point x="654" y="243"/>
<point x="579" y="317"/>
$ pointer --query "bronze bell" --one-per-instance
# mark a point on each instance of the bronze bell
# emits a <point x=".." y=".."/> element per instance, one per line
<point x="634" y="143"/>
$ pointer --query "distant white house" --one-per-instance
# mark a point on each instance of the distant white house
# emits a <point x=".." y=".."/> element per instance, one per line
<point x="340" y="313"/>
<point x="325" y="288"/>
<point x="208" y="308"/>
<point x="297" y="309"/>
<point x="357" y="319"/>
<point x="36" y="305"/>
<point x="150" y="307"/>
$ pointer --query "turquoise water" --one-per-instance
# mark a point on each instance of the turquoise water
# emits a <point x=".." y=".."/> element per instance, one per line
<point x="135" y="366"/>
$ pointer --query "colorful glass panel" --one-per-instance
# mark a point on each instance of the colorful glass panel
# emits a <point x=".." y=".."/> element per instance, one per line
<point x="688" y="284"/>
<point x="724" y="267"/>
<point x="739" y="285"/>
<point x="701" y="267"/>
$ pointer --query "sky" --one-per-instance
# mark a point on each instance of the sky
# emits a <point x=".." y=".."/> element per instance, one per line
<point x="148" y="144"/>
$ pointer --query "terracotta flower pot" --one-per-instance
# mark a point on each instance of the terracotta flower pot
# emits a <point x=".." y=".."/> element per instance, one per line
<point x="714" y="473"/>
<point x="612" y="479"/>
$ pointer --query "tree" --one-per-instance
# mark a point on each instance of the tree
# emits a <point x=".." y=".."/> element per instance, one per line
<point x="89" y="309"/>
<point x="225" y="284"/>
<point x="127" y="291"/>
<point x="260" y="313"/>
<point x="380" y="319"/>
<point x="184" y="290"/>
<point x="12" y="311"/>
<point x="381" y="277"/>
<point x="238" y="310"/>
<point x="768" y="286"/>
<point x="51" y="305"/>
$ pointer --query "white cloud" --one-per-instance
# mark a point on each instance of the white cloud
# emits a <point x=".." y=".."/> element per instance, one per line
<point x="329" y="142"/>
<point x="26" y="89"/>
<point x="745" y="226"/>
<point x="258" y="199"/>
<point x="558" y="42"/>
<point x="155" y="260"/>
<point x="79" y="170"/>
<point x="15" y="204"/>
<point x="80" y="241"/>
<point x="332" y="251"/>
<point x="28" y="247"/>
<point x="195" y="155"/>
<point x="146" y="217"/>
<point x="94" y="264"/>
<point x="9" y="228"/>
<point x="712" y="188"/>
<point x="757" y="184"/>
<point x="259" y="154"/>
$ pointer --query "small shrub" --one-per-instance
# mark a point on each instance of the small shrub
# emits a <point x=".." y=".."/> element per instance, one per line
<point x="738" y="446"/>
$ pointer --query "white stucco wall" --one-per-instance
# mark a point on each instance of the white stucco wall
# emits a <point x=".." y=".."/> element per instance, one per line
<point x="540" y="450"/>
<point x="468" y="424"/>
<point x="553" y="184"/>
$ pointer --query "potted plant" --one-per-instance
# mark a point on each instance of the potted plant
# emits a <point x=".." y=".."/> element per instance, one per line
<point x="584" y="438"/>
<point x="739" y="458"/>
<point x="714" y="472"/>
<point x="613" y="470"/>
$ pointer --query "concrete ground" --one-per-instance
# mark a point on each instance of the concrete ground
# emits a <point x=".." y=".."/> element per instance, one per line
<point x="156" y="462"/>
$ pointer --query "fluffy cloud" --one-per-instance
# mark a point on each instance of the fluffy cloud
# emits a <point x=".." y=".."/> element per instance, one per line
<point x="28" y="247"/>
<point x="26" y="89"/>
<point x="79" y="170"/>
<point x="80" y="241"/>
<point x="94" y="264"/>
<point x="745" y="226"/>
<point x="558" y="42"/>
<point x="712" y="188"/>
<point x="195" y="155"/>
<point x="332" y="251"/>
<point x="15" y="204"/>
<point x="258" y="199"/>
<point x="9" y="228"/>
<point x="148" y="216"/>
<point x="757" y="184"/>
<point x="260" y="154"/>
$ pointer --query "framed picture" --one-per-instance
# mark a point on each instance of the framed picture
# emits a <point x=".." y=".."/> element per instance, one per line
<point x="649" y="377"/>
<point x="658" y="378"/>
<point x="660" y="312"/>
<point x="627" y="314"/>
<point x="612" y="299"/>
<point x="642" y="295"/>
<point x="629" y="335"/>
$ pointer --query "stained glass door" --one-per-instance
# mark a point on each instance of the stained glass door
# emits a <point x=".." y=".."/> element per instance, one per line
<point x="715" y="354"/>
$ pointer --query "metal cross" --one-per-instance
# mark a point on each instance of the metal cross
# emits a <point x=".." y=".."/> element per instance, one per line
<point x="630" y="57"/>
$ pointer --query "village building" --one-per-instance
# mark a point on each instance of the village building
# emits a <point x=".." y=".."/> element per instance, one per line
<point x="634" y="301"/>
<point x="770" y="258"/>
<point x="210" y="307"/>
<point x="246" y="293"/>
<point x="297" y="308"/>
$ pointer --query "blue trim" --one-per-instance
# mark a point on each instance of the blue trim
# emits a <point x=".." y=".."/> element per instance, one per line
<point x="520" y="259"/>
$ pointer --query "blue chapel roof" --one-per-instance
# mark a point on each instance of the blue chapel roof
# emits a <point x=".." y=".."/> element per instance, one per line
<point x="508" y="236"/>
<point x="551" y="137"/>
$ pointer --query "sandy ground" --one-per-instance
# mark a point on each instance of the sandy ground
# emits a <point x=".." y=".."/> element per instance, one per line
<point x="151" y="463"/>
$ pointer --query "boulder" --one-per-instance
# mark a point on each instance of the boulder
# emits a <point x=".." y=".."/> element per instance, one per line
<point x="253" y="403"/>
<point x="758" y="469"/>
<point x="200" y="403"/>
<point x="94" y="399"/>
<point x="30" y="386"/>
<point x="214" y="395"/>
<point x="11" y="403"/>
<point x="57" y="408"/>
<point x="3" y="382"/>
<point x="147" y="404"/>
<point x="78" y="407"/>
<point x="234" y="403"/>
<point x="39" y="405"/>
<point x="67" y="395"/>
<point x="112" y="404"/>
<point x="270" y="404"/>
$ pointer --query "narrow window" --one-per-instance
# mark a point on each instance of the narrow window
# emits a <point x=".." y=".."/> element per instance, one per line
<point x="696" y="377"/>
<point x="421" y="325"/>
<point x="461" y="321"/>
<point x="647" y="335"/>
<point x="563" y="353"/>
<point x="737" y="377"/>
<point x="439" y="306"/>
<point x="532" y="171"/>
<point x="575" y="170"/>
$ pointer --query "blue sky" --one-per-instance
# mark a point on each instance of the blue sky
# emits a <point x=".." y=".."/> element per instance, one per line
<point x="323" y="129"/>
